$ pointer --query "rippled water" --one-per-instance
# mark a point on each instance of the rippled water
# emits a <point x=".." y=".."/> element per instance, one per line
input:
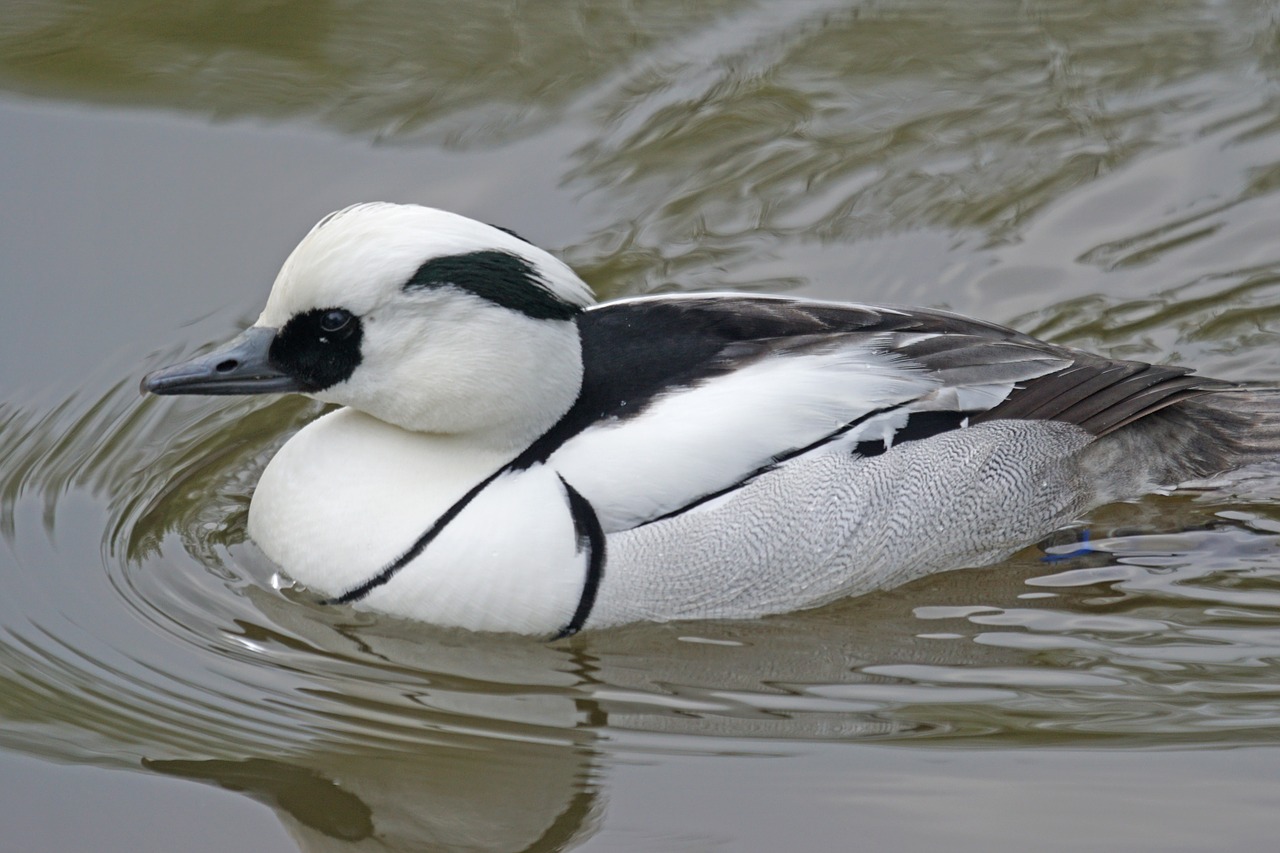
<point x="1101" y="174"/>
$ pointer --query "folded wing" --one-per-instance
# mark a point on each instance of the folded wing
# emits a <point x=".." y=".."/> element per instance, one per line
<point x="685" y="398"/>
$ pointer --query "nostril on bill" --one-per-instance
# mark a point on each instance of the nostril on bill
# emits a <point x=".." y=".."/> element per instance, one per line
<point x="227" y="366"/>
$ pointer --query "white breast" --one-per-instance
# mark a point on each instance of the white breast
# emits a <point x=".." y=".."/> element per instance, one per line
<point x="349" y="493"/>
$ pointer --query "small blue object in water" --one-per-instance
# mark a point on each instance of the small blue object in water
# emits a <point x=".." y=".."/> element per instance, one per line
<point x="1078" y="552"/>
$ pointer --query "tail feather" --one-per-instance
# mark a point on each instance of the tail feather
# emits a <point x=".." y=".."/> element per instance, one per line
<point x="1197" y="437"/>
<point x="1244" y="421"/>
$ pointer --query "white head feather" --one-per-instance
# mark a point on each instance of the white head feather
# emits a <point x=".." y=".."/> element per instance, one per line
<point x="435" y="359"/>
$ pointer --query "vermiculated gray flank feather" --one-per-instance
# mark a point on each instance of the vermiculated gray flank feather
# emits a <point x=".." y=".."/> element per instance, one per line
<point x="839" y="525"/>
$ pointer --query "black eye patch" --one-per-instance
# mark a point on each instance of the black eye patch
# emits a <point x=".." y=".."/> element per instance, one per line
<point x="319" y="348"/>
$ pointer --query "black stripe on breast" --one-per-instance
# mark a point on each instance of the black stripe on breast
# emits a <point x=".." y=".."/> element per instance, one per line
<point x="586" y="526"/>
<point x="386" y="574"/>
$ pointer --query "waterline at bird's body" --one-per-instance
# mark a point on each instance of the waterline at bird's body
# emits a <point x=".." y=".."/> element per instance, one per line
<point x="513" y="458"/>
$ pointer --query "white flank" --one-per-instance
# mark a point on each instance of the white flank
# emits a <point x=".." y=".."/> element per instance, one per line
<point x="694" y="441"/>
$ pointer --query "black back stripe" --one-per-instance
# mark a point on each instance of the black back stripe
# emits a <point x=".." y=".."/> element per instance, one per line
<point x="635" y="353"/>
<point x="386" y="574"/>
<point x="586" y="526"/>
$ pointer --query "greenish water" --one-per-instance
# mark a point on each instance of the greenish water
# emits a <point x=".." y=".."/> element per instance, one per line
<point x="1103" y="174"/>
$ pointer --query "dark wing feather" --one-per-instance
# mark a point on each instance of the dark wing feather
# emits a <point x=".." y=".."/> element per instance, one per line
<point x="1101" y="395"/>
<point x="634" y="351"/>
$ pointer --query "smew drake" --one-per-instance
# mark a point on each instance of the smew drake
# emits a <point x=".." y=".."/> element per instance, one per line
<point x="510" y="456"/>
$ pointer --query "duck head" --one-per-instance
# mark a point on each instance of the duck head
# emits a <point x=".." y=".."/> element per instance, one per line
<point x="419" y="317"/>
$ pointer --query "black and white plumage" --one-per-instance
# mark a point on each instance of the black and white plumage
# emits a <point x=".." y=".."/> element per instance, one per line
<point x="512" y="457"/>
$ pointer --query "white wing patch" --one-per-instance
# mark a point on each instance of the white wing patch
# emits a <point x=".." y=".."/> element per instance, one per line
<point x="697" y="440"/>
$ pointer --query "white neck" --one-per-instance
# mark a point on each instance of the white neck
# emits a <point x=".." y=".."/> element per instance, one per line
<point x="493" y="376"/>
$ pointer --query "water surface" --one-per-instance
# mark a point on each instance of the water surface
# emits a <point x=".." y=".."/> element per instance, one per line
<point x="1101" y="174"/>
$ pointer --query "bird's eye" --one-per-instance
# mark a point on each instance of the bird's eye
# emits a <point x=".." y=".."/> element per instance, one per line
<point x="335" y="320"/>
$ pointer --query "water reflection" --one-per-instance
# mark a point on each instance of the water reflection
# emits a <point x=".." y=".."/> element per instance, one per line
<point x="397" y="801"/>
